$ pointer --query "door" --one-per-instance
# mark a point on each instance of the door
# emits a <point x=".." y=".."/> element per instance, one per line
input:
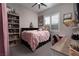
<point x="1" y="33"/>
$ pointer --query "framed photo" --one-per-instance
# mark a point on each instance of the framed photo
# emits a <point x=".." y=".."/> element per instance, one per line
<point x="40" y="21"/>
<point x="67" y="16"/>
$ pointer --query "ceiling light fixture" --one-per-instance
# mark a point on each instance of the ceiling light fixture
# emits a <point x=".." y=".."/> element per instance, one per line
<point x="39" y="5"/>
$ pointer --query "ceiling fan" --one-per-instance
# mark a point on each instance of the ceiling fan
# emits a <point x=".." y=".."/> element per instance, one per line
<point x="39" y="5"/>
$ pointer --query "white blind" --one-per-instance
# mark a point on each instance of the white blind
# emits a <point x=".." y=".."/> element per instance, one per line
<point x="47" y="20"/>
<point x="52" y="21"/>
<point x="55" y="19"/>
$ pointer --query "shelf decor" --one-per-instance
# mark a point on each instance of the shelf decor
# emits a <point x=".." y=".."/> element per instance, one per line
<point x="31" y="25"/>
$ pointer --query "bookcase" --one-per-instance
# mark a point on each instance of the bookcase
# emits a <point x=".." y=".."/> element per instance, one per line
<point x="13" y="29"/>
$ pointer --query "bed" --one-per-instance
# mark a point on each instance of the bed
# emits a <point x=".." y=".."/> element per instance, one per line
<point x="34" y="38"/>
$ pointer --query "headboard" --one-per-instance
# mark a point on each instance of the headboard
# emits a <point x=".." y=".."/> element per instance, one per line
<point x="22" y="29"/>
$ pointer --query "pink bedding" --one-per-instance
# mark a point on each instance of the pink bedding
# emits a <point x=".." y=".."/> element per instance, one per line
<point x="35" y="37"/>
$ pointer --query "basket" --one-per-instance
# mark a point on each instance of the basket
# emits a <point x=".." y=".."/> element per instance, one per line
<point x="73" y="52"/>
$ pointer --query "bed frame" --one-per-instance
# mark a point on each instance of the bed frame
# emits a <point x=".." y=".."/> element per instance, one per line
<point x="27" y="45"/>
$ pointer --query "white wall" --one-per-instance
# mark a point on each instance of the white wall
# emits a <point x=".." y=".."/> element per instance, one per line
<point x="26" y="16"/>
<point x="62" y="9"/>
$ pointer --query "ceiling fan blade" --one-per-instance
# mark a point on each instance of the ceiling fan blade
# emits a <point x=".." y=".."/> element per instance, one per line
<point x="43" y="4"/>
<point x="34" y="4"/>
<point x="39" y="6"/>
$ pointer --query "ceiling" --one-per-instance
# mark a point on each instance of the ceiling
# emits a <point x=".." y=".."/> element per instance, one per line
<point x="35" y="8"/>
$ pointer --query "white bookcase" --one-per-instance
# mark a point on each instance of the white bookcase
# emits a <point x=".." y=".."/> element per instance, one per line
<point x="13" y="28"/>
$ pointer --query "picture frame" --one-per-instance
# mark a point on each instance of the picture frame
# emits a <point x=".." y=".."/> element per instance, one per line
<point x="40" y="21"/>
<point x="67" y="16"/>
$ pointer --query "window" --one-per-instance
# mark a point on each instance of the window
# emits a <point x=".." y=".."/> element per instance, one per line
<point x="52" y="21"/>
<point x="47" y="20"/>
<point x="55" y="21"/>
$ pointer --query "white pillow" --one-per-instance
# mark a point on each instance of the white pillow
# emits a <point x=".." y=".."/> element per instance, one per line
<point x="40" y="29"/>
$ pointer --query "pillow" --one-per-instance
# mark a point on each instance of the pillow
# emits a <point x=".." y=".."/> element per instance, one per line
<point x="40" y="29"/>
<point x="56" y="38"/>
<point x="59" y="37"/>
<point x="43" y="28"/>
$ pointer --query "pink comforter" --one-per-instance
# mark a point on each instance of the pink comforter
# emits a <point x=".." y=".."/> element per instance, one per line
<point x="35" y="37"/>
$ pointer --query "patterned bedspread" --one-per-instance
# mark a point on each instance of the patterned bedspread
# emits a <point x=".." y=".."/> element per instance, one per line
<point x="35" y="37"/>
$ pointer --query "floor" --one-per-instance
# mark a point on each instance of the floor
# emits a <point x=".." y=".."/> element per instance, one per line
<point x="45" y="50"/>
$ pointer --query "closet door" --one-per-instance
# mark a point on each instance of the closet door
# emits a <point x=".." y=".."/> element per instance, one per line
<point x="4" y="43"/>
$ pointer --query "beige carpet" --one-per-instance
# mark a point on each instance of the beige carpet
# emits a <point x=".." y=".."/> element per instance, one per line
<point x="45" y="50"/>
